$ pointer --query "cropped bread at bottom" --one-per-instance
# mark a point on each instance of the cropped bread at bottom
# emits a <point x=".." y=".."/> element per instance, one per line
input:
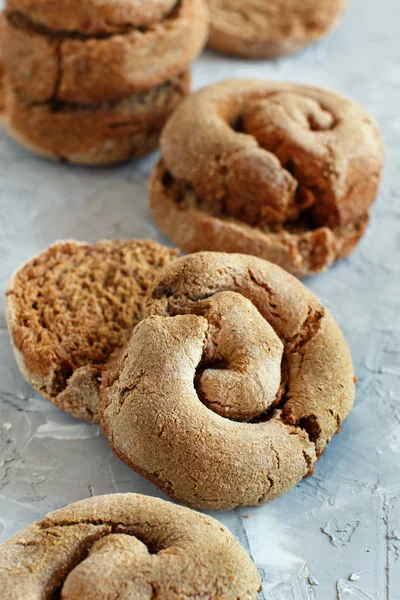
<point x="281" y="171"/>
<point x="231" y="388"/>
<point x="71" y="308"/>
<point x="126" y="546"/>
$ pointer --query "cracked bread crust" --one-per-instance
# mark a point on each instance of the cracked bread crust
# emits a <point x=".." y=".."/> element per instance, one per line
<point x="259" y="29"/>
<point x="231" y="388"/>
<point x="71" y="308"/>
<point x="92" y="17"/>
<point x="282" y="171"/>
<point x="126" y="546"/>
<point x="44" y="65"/>
<point x="98" y="134"/>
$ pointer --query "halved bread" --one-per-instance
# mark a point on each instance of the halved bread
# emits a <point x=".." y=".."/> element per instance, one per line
<point x="71" y="308"/>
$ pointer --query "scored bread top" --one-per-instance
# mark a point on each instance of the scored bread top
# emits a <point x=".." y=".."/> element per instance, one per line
<point x="72" y="307"/>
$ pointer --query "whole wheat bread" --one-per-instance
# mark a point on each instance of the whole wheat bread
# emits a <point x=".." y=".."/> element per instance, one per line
<point x="71" y="308"/>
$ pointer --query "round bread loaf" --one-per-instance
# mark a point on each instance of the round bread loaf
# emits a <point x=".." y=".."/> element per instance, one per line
<point x="281" y="171"/>
<point x="231" y="388"/>
<point x="71" y="308"/>
<point x="260" y="29"/>
<point x="126" y="546"/>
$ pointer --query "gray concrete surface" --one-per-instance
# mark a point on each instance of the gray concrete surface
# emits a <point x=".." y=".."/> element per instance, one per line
<point x="337" y="534"/>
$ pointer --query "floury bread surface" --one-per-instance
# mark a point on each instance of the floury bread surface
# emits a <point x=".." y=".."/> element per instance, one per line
<point x="231" y="388"/>
<point x="126" y="546"/>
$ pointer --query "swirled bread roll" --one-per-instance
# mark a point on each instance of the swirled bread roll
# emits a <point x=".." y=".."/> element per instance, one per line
<point x="281" y="171"/>
<point x="231" y="388"/>
<point x="126" y="546"/>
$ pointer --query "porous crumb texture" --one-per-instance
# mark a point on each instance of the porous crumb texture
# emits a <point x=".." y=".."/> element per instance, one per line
<point x="126" y="546"/>
<point x="260" y="29"/>
<point x="281" y="171"/>
<point x="93" y="82"/>
<point x="229" y="390"/>
<point x="72" y="307"/>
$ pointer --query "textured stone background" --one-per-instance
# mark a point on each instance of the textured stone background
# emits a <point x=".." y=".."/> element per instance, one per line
<point x="337" y="534"/>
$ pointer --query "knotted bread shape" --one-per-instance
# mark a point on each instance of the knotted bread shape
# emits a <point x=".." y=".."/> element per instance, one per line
<point x="281" y="171"/>
<point x="126" y="546"/>
<point x="230" y="389"/>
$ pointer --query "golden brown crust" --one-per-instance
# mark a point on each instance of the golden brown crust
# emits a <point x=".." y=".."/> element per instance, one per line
<point x="269" y="364"/>
<point x="283" y="171"/>
<point x="93" y="134"/>
<point x="43" y="65"/>
<point x="126" y="546"/>
<point x="71" y="308"/>
<point x="92" y="17"/>
<point x="259" y="29"/>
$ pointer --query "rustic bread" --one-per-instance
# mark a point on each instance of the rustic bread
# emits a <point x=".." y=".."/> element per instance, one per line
<point x="94" y="82"/>
<point x="282" y="171"/>
<point x="231" y="388"/>
<point x="71" y="308"/>
<point x="126" y="546"/>
<point x="260" y="29"/>
<point x="92" y="17"/>
<point x="45" y="66"/>
<point x="92" y="134"/>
